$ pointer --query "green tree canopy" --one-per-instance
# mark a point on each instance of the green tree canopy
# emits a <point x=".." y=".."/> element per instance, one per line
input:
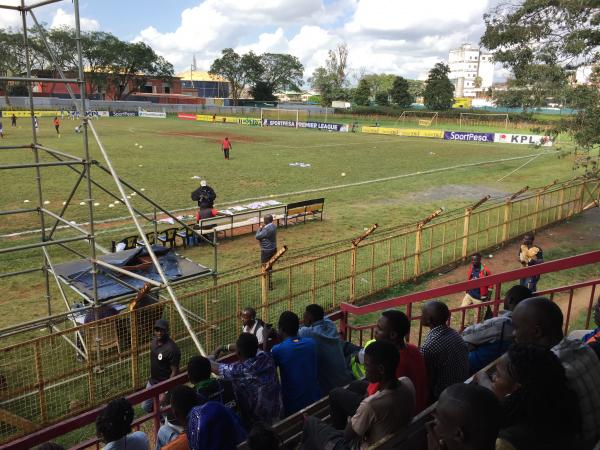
<point x="400" y="93"/>
<point x="331" y="80"/>
<point x="362" y="93"/>
<point x="543" y="42"/>
<point x="382" y="98"/>
<point x="240" y="71"/>
<point x="439" y="90"/>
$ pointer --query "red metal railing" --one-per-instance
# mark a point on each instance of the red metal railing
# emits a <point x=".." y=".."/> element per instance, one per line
<point x="52" y="432"/>
<point x="408" y="301"/>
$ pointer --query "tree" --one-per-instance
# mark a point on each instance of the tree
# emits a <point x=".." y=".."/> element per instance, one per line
<point x="262" y="91"/>
<point x="439" y="90"/>
<point x="478" y="81"/>
<point x="400" y="93"/>
<point x="543" y="42"/>
<point x="281" y="71"/>
<point x="382" y="98"/>
<point x="362" y="93"/>
<point x="331" y="80"/>
<point x="240" y="71"/>
<point x="416" y="87"/>
<point x="379" y="82"/>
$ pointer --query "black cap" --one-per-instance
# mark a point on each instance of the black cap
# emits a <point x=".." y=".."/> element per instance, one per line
<point x="162" y="324"/>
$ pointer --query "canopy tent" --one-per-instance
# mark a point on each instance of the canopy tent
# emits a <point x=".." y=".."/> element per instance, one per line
<point x="112" y="284"/>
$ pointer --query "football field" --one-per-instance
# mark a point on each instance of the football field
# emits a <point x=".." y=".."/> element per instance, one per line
<point x="364" y="178"/>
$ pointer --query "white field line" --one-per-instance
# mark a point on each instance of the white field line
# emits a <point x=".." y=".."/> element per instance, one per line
<point x="309" y="191"/>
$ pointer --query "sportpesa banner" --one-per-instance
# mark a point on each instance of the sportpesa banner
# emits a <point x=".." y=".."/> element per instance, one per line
<point x="311" y="125"/>
<point x="123" y="113"/>
<point x="468" y="136"/>
<point x="152" y="114"/>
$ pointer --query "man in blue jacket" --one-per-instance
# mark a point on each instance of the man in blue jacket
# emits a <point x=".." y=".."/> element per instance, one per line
<point x="332" y="370"/>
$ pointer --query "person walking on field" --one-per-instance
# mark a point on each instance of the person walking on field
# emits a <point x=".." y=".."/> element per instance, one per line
<point x="226" y="144"/>
<point x="13" y="121"/>
<point x="56" y="122"/>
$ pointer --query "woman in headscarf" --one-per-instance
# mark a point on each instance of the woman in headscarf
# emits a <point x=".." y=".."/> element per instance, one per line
<point x="213" y="426"/>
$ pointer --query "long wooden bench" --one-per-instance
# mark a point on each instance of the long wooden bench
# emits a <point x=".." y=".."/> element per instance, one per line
<point x="290" y="428"/>
<point x="307" y="209"/>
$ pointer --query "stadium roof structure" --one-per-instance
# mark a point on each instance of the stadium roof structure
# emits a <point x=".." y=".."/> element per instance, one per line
<point x="199" y="75"/>
<point x="57" y="229"/>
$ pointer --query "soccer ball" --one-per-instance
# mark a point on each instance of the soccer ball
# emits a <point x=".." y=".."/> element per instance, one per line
<point x="343" y="174"/>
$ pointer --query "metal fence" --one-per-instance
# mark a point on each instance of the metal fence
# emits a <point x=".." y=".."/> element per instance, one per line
<point x="65" y="372"/>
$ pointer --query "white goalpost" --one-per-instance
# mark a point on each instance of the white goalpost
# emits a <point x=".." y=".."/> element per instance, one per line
<point x="467" y="119"/>
<point x="292" y="115"/>
<point x="422" y="118"/>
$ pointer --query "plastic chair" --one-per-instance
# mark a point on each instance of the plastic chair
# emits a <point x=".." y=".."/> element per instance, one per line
<point x="103" y="336"/>
<point x="130" y="242"/>
<point x="188" y="237"/>
<point x="168" y="236"/>
<point x="151" y="237"/>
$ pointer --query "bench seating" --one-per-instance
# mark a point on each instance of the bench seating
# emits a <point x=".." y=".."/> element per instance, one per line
<point x="305" y="209"/>
<point x="290" y="428"/>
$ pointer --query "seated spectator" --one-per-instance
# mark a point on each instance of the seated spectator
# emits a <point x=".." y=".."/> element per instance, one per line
<point x="296" y="358"/>
<point x="332" y="370"/>
<point x="113" y="426"/>
<point x="213" y="389"/>
<point x="539" y="321"/>
<point x="183" y="399"/>
<point x="250" y="324"/>
<point x="379" y="415"/>
<point x="466" y="417"/>
<point x="589" y="336"/>
<point x="539" y="411"/>
<point x="263" y="438"/>
<point x="393" y="326"/>
<point x="446" y="354"/>
<point x="214" y="426"/>
<point x="490" y="339"/>
<point x="254" y="378"/>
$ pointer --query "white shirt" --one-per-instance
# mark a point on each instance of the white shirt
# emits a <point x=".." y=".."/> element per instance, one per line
<point x="257" y="330"/>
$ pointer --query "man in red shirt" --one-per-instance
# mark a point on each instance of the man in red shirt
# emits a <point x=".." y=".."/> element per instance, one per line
<point x="475" y="296"/>
<point x="226" y="144"/>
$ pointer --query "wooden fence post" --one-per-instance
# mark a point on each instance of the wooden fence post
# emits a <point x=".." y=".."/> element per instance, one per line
<point x="561" y="199"/>
<point x="538" y="198"/>
<point x="507" y="209"/>
<point x="265" y="281"/>
<point x="418" y="237"/>
<point x="135" y="369"/>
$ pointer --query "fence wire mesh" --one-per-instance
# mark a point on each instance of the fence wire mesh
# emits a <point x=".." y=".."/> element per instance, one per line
<point x="66" y="371"/>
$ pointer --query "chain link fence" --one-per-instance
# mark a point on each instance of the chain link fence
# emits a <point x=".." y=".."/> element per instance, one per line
<point x="68" y="371"/>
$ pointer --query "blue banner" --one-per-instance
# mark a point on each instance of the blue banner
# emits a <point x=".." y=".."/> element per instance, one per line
<point x="468" y="136"/>
<point x="312" y="125"/>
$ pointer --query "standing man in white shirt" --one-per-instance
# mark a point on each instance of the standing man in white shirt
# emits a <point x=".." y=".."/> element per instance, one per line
<point x="267" y="237"/>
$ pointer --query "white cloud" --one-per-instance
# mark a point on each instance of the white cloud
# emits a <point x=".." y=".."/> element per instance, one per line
<point x="405" y="38"/>
<point x="62" y="18"/>
<point x="10" y="18"/>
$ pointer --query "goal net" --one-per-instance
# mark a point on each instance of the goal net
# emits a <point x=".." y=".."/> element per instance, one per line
<point x="474" y="119"/>
<point x="291" y="116"/>
<point x="421" y="118"/>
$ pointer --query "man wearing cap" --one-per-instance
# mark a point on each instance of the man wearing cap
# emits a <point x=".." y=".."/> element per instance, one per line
<point x="164" y="359"/>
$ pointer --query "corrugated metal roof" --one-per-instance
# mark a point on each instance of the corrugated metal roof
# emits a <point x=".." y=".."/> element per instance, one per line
<point x="198" y="75"/>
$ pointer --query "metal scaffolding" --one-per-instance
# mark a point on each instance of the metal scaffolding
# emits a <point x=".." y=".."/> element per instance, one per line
<point x="49" y="220"/>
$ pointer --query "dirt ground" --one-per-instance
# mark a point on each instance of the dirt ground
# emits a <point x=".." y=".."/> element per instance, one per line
<point x="214" y="135"/>
<point x="585" y="228"/>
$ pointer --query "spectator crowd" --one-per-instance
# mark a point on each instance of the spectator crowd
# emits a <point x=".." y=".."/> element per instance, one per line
<point x="542" y="393"/>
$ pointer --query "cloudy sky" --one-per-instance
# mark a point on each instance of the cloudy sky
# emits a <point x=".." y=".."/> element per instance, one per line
<point x="392" y="36"/>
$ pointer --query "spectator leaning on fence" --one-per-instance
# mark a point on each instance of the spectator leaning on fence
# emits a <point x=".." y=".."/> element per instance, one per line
<point x="255" y="382"/>
<point x="445" y="352"/>
<point x="332" y="370"/>
<point x="250" y="324"/>
<point x="296" y="358"/>
<point x="379" y="415"/>
<point x="113" y="426"/>
<point x="539" y="321"/>
<point x="539" y="411"/>
<point x="490" y="339"/>
<point x="164" y="359"/>
<point x="466" y="417"/>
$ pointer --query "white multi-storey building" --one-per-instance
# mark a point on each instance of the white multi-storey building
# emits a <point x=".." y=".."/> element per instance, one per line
<point x="466" y="64"/>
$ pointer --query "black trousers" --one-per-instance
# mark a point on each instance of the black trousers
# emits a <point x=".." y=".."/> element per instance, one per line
<point x="226" y="151"/>
<point x="344" y="402"/>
